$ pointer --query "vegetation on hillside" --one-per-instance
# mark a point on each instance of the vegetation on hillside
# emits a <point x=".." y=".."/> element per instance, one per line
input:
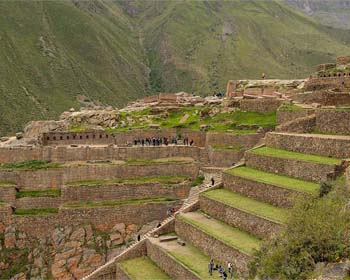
<point x="61" y="54"/>
<point x="317" y="231"/>
<point x="31" y="164"/>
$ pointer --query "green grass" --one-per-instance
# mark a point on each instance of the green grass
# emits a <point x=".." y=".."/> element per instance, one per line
<point x="232" y="148"/>
<point x="113" y="203"/>
<point x="141" y="180"/>
<point x="7" y="183"/>
<point x="272" y="152"/>
<point x="35" y="211"/>
<point x="31" y="165"/>
<point x="39" y="193"/>
<point x="248" y="205"/>
<point x="198" y="181"/>
<point x="221" y="231"/>
<point x="273" y="179"/>
<point x="143" y="268"/>
<point x="194" y="259"/>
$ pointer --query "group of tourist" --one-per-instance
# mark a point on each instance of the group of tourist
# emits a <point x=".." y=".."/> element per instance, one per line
<point x="222" y="273"/>
<point x="159" y="141"/>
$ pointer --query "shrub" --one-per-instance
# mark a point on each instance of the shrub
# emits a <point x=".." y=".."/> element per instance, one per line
<point x="317" y="231"/>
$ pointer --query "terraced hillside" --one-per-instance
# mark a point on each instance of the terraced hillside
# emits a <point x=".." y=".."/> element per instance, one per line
<point x="56" y="53"/>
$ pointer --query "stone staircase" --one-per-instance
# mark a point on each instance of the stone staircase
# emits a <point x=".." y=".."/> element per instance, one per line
<point x="104" y="271"/>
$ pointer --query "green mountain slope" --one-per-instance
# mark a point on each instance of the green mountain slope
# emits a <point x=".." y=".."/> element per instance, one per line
<point x="55" y="52"/>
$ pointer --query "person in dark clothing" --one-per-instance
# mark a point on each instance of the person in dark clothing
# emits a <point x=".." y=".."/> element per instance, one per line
<point x="212" y="181"/>
<point x="191" y="143"/>
<point x="138" y="237"/>
<point x="211" y="267"/>
<point x="143" y="142"/>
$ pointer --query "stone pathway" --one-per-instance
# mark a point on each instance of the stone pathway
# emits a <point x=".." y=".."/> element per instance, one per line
<point x="190" y="201"/>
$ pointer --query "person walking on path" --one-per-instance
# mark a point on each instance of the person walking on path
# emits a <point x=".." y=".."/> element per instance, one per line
<point x="230" y="269"/>
<point x="211" y="267"/>
<point x="212" y="181"/>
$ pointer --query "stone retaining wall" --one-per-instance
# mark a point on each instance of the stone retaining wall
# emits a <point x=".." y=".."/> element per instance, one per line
<point x="327" y="82"/>
<point x="124" y="191"/>
<point x="224" y="158"/>
<point x="325" y="98"/>
<point x="39" y="202"/>
<point x="56" y="177"/>
<point x="167" y="263"/>
<point x="274" y="195"/>
<point x="261" y="105"/>
<point x="212" y="247"/>
<point x="43" y="225"/>
<point x="283" y="116"/>
<point x="231" y="139"/>
<point x="337" y="147"/>
<point x="301" y="125"/>
<point x="305" y="170"/>
<point x="253" y="224"/>
<point x="7" y="194"/>
<point x="333" y="121"/>
<point x="85" y="153"/>
<point x="120" y="274"/>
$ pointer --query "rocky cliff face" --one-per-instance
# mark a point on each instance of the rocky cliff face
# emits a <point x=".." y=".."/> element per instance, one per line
<point x="67" y="253"/>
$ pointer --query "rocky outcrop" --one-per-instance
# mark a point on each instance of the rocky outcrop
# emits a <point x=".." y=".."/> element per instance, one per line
<point x="69" y="252"/>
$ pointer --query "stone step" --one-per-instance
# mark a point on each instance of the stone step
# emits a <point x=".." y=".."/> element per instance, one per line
<point x="258" y="218"/>
<point x="318" y="144"/>
<point x="217" y="239"/>
<point x="142" y="268"/>
<point x="267" y="187"/>
<point x="180" y="262"/>
<point x="292" y="164"/>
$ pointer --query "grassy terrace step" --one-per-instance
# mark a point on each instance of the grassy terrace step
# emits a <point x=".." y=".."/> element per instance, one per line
<point x="40" y="193"/>
<point x="143" y="268"/>
<point x="248" y="205"/>
<point x="31" y="165"/>
<point x="273" y="179"/>
<point x="231" y="236"/>
<point x="112" y="203"/>
<point x="7" y="183"/>
<point x="189" y="256"/>
<point x="35" y="211"/>
<point x="231" y="148"/>
<point x="272" y="152"/>
<point x="140" y="180"/>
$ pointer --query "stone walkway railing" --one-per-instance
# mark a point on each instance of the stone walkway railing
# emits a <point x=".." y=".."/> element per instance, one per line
<point x="192" y="199"/>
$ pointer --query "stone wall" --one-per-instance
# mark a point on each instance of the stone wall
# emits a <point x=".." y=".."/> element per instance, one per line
<point x="333" y="121"/>
<point x="305" y="170"/>
<point x="329" y="82"/>
<point x="56" y="177"/>
<point x="274" y="195"/>
<point x="224" y="158"/>
<point x="284" y="116"/>
<point x="124" y="191"/>
<point x="7" y="194"/>
<point x="231" y="139"/>
<point x="325" y="98"/>
<point x="120" y="274"/>
<point x="212" y="247"/>
<point x="251" y="223"/>
<point x="67" y="138"/>
<point x="38" y="202"/>
<point x="261" y="105"/>
<point x="301" y="125"/>
<point x="85" y="153"/>
<point x="43" y="225"/>
<point x="329" y="146"/>
<point x="167" y="263"/>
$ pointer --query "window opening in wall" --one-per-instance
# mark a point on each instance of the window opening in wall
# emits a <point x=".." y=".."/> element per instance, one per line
<point x="81" y="137"/>
<point x="54" y="138"/>
<point x="67" y="137"/>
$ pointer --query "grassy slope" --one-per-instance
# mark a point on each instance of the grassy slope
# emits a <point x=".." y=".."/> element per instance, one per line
<point x="143" y="268"/>
<point x="268" y="151"/>
<point x="231" y="39"/>
<point x="248" y="205"/>
<point x="221" y="231"/>
<point x="273" y="179"/>
<point x="52" y="51"/>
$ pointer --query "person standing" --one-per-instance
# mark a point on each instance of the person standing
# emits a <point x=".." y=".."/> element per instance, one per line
<point x="230" y="269"/>
<point x="211" y="267"/>
<point x="212" y="181"/>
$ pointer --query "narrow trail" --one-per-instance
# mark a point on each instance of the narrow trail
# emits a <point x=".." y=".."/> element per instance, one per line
<point x="192" y="199"/>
